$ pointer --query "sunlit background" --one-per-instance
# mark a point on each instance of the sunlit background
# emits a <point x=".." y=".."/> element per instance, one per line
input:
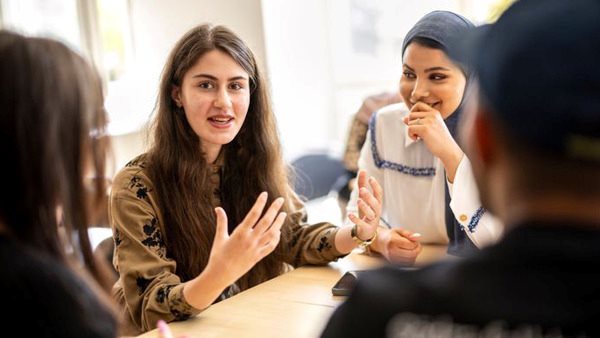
<point x="321" y="57"/>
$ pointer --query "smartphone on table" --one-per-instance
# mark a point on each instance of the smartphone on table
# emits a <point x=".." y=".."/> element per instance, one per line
<point x="345" y="284"/>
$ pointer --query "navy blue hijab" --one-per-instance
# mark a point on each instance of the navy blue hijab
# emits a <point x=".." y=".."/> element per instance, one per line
<point x="442" y="28"/>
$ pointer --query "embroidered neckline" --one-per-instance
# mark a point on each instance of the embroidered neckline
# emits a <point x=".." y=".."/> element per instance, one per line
<point x="384" y="164"/>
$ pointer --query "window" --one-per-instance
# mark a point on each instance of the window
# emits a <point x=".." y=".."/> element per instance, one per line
<point x="51" y="18"/>
<point x="97" y="29"/>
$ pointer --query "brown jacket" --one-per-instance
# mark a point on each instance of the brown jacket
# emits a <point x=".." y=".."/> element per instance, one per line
<point x="148" y="288"/>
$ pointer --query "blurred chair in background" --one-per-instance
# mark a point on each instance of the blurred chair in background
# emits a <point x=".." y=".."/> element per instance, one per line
<point x="316" y="175"/>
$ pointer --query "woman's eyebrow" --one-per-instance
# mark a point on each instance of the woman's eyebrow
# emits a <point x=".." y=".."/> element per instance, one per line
<point x="428" y="70"/>
<point x="433" y="69"/>
<point x="208" y="76"/>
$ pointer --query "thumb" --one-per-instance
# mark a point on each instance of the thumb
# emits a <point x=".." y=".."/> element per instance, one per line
<point x="221" y="230"/>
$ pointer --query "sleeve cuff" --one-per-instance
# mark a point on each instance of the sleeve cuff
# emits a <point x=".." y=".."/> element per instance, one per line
<point x="178" y="306"/>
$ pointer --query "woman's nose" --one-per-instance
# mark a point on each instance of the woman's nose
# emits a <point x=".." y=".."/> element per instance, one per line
<point x="223" y="100"/>
<point x="419" y="92"/>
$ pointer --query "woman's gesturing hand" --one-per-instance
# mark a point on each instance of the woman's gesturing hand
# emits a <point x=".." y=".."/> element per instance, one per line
<point x="369" y="206"/>
<point x="252" y="240"/>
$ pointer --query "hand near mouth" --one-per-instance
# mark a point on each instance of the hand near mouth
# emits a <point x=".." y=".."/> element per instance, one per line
<point x="426" y="123"/>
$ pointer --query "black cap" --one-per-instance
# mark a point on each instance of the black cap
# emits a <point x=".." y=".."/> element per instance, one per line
<point x="538" y="69"/>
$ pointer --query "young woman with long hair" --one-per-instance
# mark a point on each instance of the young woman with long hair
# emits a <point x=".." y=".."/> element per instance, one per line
<point x="208" y="211"/>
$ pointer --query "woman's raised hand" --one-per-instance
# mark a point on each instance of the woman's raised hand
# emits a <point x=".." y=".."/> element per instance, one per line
<point x="370" y="203"/>
<point x="426" y="123"/>
<point x="253" y="239"/>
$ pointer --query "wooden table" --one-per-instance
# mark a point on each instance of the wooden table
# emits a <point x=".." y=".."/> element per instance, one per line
<point x="295" y="304"/>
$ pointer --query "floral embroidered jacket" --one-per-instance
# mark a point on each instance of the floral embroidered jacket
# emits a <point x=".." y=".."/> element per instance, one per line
<point x="148" y="288"/>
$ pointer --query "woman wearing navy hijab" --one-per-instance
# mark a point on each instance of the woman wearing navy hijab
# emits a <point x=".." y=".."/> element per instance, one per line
<point x="411" y="150"/>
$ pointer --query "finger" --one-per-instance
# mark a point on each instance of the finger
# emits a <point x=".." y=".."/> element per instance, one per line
<point x="371" y="201"/>
<point x="368" y="230"/>
<point x="221" y="232"/>
<point x="367" y="212"/>
<point x="412" y="236"/>
<point x="266" y="221"/>
<point x="273" y="236"/>
<point x="416" y="131"/>
<point x="404" y="255"/>
<point x="404" y="244"/>
<point x="418" y="121"/>
<point x="274" y="233"/>
<point x="362" y="178"/>
<point x="421" y="107"/>
<point x="362" y="183"/>
<point x="163" y="329"/>
<point x="255" y="212"/>
<point x="399" y="241"/>
<point x="377" y="189"/>
<point x="412" y="117"/>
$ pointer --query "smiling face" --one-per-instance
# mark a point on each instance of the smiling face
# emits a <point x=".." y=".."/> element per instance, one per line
<point x="428" y="76"/>
<point x="215" y="95"/>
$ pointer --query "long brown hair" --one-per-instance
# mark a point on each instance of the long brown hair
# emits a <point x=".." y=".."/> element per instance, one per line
<point x="252" y="161"/>
<point x="52" y="119"/>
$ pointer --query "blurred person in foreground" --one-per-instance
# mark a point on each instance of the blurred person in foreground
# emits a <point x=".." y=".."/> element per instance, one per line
<point x="53" y="146"/>
<point x="51" y="123"/>
<point x="533" y="136"/>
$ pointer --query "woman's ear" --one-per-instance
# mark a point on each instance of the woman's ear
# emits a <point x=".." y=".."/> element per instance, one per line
<point x="176" y="95"/>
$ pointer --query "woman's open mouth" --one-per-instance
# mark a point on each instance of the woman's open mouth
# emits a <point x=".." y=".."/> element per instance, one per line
<point x="221" y="121"/>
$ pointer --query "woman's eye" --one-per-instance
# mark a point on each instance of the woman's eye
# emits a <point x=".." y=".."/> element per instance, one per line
<point x="438" y="77"/>
<point x="235" y="86"/>
<point x="409" y="75"/>
<point x="205" y="85"/>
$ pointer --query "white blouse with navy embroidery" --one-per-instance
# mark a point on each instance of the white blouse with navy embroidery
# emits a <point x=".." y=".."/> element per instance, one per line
<point x="413" y="182"/>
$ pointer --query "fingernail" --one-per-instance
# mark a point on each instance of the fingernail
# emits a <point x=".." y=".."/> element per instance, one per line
<point x="162" y="325"/>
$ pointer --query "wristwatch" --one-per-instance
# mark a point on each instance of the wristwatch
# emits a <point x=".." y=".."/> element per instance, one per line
<point x="362" y="244"/>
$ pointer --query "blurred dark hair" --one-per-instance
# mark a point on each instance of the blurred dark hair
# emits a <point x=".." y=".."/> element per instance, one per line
<point x="53" y="125"/>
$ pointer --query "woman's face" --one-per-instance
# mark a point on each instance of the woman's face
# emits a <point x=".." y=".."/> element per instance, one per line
<point x="428" y="76"/>
<point x="215" y="95"/>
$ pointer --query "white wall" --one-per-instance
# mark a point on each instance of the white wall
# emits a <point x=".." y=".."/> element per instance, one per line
<point x="299" y="64"/>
